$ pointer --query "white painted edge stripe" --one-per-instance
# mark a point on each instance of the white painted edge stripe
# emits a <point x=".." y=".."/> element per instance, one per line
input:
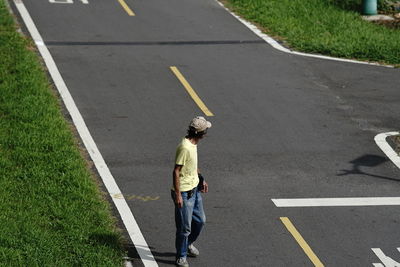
<point x="380" y="140"/>
<point x="108" y="180"/>
<point x="333" y="202"/>
<point x="279" y="47"/>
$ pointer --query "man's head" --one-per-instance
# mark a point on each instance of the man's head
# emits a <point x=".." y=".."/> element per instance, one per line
<point x="198" y="127"/>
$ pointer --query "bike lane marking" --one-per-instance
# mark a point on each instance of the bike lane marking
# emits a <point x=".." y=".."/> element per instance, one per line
<point x="126" y="7"/>
<point x="126" y="214"/>
<point x="302" y="243"/>
<point x="191" y="91"/>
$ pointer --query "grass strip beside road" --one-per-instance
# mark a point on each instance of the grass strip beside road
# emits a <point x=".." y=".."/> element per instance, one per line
<point x="51" y="210"/>
<point x="396" y="141"/>
<point x="323" y="27"/>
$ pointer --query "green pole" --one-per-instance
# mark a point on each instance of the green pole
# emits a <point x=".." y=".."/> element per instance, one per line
<point x="370" y="7"/>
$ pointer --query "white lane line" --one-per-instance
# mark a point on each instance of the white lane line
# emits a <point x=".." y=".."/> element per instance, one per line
<point x="279" y="47"/>
<point x="108" y="180"/>
<point x="380" y="140"/>
<point x="336" y="202"/>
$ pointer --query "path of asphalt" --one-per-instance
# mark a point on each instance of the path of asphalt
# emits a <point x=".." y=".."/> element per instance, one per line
<point x="284" y="127"/>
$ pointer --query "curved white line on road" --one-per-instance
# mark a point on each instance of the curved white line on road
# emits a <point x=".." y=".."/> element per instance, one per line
<point x="105" y="174"/>
<point x="380" y="140"/>
<point x="279" y="47"/>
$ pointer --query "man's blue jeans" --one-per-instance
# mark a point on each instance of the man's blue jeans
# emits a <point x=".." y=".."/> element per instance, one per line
<point x="189" y="221"/>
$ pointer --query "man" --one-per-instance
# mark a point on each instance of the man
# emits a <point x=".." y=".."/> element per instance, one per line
<point x="187" y="185"/>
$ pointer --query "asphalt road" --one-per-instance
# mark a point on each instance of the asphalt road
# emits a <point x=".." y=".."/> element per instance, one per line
<point x="284" y="127"/>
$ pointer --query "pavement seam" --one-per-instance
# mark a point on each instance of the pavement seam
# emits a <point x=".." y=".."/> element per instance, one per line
<point x="153" y="43"/>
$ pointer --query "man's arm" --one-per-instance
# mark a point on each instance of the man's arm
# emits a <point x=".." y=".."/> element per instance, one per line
<point x="176" y="182"/>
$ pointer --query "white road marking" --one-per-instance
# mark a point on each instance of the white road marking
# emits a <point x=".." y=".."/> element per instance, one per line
<point x="386" y="261"/>
<point x="61" y="1"/>
<point x="380" y="140"/>
<point x="108" y="180"/>
<point x="279" y="47"/>
<point x="336" y="202"/>
<point x="67" y="1"/>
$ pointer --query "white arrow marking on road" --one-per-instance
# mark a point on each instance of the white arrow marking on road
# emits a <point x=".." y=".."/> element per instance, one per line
<point x="387" y="261"/>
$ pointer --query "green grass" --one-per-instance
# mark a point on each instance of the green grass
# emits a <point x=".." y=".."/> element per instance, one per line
<point x="396" y="141"/>
<point x="51" y="210"/>
<point x="328" y="27"/>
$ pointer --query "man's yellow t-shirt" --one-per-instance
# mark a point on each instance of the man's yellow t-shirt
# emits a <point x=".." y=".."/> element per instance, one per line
<point x="186" y="155"/>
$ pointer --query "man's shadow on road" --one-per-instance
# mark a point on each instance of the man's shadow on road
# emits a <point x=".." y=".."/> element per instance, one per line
<point x="369" y="161"/>
<point x="161" y="257"/>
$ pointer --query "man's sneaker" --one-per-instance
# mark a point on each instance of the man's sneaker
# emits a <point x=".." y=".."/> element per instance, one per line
<point x="193" y="251"/>
<point x="182" y="262"/>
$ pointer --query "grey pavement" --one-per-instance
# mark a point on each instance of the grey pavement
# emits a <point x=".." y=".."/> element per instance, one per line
<point x="285" y="126"/>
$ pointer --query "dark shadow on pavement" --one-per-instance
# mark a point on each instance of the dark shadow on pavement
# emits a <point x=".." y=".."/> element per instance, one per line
<point x="366" y="161"/>
<point x="161" y="257"/>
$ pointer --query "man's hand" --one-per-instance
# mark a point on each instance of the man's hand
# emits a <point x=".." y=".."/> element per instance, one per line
<point x="202" y="183"/>
<point x="205" y="187"/>
<point x="178" y="200"/>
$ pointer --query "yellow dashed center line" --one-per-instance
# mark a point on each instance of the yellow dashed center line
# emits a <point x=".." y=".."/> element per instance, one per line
<point x="191" y="92"/>
<point x="126" y="7"/>
<point x="303" y="244"/>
